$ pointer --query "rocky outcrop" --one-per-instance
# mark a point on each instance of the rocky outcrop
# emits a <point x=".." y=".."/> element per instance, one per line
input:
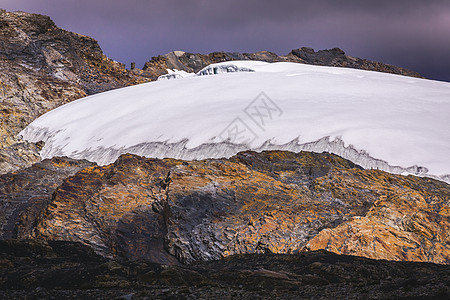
<point x="24" y="195"/>
<point x="43" y="67"/>
<point x="386" y="232"/>
<point x="65" y="270"/>
<point x="171" y="211"/>
<point x="25" y="95"/>
<point x="19" y="155"/>
<point x="37" y="44"/>
<point x="410" y="220"/>
<point x="335" y="57"/>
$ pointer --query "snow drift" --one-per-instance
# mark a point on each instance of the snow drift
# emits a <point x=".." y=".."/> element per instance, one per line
<point x="390" y="122"/>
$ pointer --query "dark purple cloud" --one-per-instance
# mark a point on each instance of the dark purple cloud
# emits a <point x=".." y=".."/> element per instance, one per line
<point x="410" y="33"/>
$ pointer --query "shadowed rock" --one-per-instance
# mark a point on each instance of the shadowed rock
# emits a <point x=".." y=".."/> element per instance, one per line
<point x="62" y="270"/>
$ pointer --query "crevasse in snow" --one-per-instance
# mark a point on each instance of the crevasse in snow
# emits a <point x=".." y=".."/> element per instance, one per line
<point x="222" y="68"/>
<point x="390" y="122"/>
<point x="209" y="70"/>
<point x="174" y="74"/>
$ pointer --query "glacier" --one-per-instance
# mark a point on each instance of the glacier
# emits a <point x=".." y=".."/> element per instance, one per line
<point x="381" y="121"/>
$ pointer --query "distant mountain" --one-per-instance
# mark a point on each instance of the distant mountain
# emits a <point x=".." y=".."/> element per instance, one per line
<point x="194" y="62"/>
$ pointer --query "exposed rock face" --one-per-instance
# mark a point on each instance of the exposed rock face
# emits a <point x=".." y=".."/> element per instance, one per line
<point x="410" y="220"/>
<point x="26" y="94"/>
<point x="336" y="58"/>
<point x="191" y="62"/>
<point x="169" y="210"/>
<point x="19" y="155"/>
<point x="43" y="67"/>
<point x="160" y="209"/>
<point x="65" y="270"/>
<point x="24" y="195"/>
<point x="386" y="232"/>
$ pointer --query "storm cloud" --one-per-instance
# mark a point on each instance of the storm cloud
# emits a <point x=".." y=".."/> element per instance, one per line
<point x="409" y="33"/>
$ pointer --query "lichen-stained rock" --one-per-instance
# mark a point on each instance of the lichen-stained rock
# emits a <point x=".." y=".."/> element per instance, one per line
<point x="112" y="208"/>
<point x="265" y="202"/>
<point x="404" y="224"/>
<point x="19" y="155"/>
<point x="26" y="193"/>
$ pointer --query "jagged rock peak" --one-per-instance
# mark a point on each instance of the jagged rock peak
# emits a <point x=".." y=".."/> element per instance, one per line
<point x="34" y="41"/>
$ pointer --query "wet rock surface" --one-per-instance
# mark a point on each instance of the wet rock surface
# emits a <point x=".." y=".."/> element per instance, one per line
<point x="172" y="211"/>
<point x="54" y="270"/>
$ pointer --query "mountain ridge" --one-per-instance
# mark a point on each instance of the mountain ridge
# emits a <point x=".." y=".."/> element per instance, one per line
<point x="43" y="67"/>
<point x="194" y="62"/>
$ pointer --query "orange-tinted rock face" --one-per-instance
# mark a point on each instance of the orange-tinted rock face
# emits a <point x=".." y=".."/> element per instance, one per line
<point x="170" y="210"/>
<point x="409" y="221"/>
<point x="24" y="195"/>
<point x="404" y="226"/>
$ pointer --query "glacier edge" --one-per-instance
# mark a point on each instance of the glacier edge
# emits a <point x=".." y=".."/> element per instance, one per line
<point x="178" y="150"/>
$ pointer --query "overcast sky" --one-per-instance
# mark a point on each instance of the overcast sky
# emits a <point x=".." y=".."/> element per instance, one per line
<point x="409" y="33"/>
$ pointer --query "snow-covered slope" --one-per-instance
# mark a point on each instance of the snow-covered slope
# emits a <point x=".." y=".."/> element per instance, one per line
<point x="390" y="122"/>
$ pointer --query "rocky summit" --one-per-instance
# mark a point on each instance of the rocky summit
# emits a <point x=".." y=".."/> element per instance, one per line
<point x="43" y="67"/>
<point x="172" y="211"/>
